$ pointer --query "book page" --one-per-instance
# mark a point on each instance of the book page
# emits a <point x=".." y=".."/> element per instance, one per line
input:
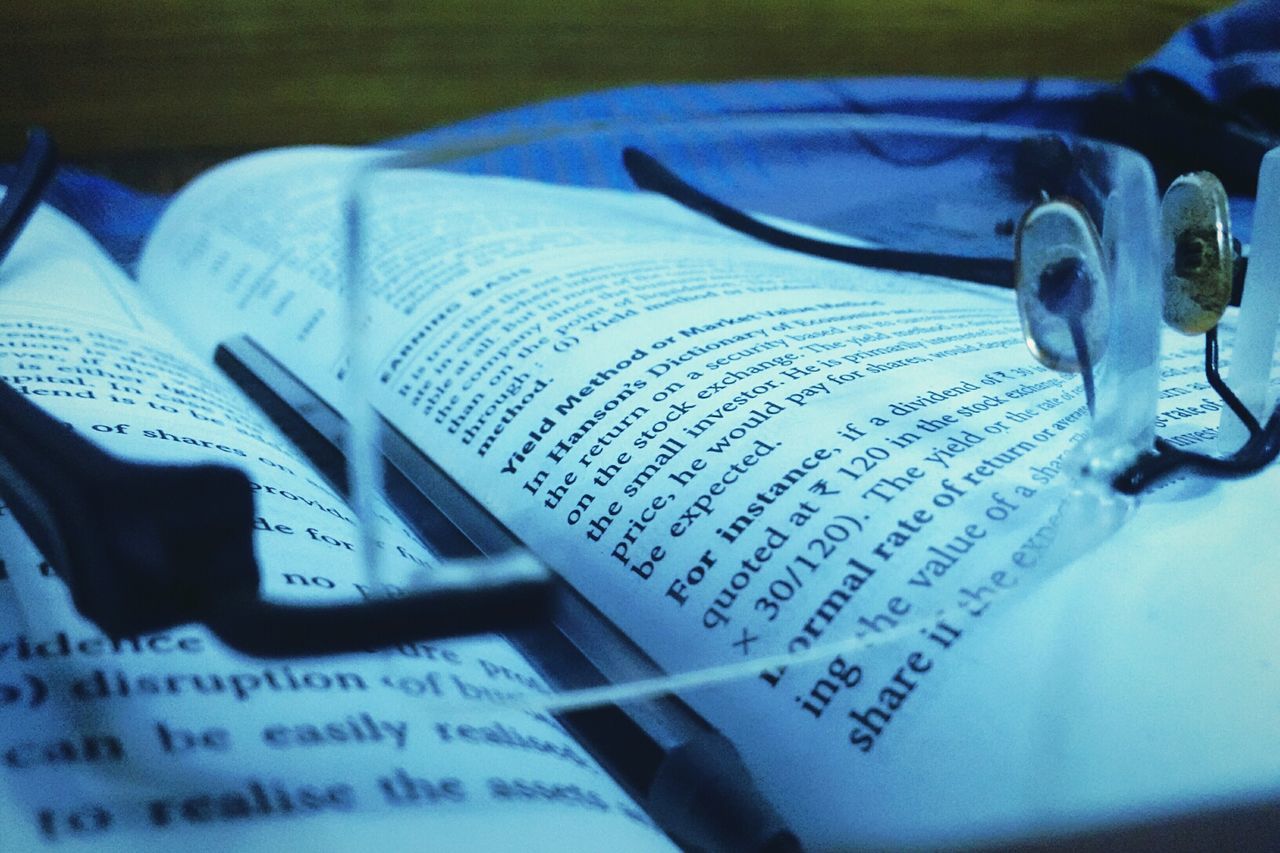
<point x="733" y="451"/>
<point x="171" y="739"/>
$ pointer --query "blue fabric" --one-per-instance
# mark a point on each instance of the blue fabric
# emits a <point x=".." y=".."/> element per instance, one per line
<point x="1223" y="57"/>
<point x="1226" y="56"/>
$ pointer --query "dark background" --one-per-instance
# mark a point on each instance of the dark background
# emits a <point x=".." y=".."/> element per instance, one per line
<point x="151" y="91"/>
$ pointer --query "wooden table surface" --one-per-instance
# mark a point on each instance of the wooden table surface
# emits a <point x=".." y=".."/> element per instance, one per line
<point x="152" y="90"/>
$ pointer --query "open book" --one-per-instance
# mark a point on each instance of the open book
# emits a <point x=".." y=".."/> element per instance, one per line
<point x="727" y="449"/>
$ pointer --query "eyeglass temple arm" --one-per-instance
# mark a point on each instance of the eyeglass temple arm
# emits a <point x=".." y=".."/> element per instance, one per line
<point x="649" y="174"/>
<point x="145" y="547"/>
<point x="35" y="170"/>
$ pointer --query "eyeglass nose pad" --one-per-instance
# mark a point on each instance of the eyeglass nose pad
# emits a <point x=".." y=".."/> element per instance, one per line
<point x="1198" y="254"/>
<point x="1061" y="283"/>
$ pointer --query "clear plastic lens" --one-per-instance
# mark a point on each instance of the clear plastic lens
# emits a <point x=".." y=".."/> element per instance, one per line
<point x="1073" y="295"/>
<point x="1198" y="253"/>
<point x="694" y="559"/>
<point x="1062" y="286"/>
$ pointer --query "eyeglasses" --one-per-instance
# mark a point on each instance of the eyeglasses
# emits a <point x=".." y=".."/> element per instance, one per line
<point x="1068" y="268"/>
